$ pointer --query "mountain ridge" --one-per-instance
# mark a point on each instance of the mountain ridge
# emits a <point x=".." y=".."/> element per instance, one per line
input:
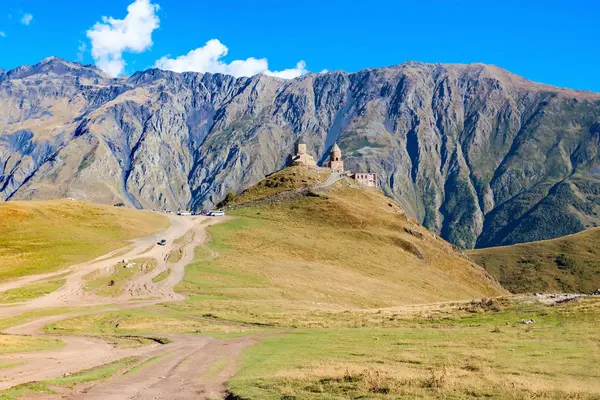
<point x="448" y="141"/>
<point x="493" y="67"/>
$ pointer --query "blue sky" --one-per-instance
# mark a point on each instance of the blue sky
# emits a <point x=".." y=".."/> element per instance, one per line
<point x="555" y="42"/>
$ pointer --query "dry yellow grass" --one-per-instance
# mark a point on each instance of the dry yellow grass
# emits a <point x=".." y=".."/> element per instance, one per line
<point x="350" y="248"/>
<point x="17" y="344"/>
<point x="566" y="264"/>
<point x="42" y="236"/>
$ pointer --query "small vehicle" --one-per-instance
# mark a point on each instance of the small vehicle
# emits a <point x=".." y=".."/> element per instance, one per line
<point x="162" y="242"/>
<point x="216" y="213"/>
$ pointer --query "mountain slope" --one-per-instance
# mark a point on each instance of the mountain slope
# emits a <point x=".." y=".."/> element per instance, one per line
<point x="567" y="264"/>
<point x="478" y="155"/>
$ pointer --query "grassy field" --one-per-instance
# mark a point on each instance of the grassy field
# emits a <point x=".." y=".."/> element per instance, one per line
<point x="32" y="291"/>
<point x="43" y="236"/>
<point x="567" y="264"/>
<point x="483" y="354"/>
<point x="202" y="253"/>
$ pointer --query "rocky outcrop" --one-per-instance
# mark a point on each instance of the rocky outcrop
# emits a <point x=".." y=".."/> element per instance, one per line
<point x="477" y="154"/>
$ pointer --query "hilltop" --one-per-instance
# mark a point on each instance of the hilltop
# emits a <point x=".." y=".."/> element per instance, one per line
<point x="447" y="141"/>
<point x="567" y="264"/>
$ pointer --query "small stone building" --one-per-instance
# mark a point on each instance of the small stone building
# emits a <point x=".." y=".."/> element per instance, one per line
<point x="365" y="179"/>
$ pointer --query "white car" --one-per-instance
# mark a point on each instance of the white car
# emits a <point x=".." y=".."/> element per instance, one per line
<point x="216" y="213"/>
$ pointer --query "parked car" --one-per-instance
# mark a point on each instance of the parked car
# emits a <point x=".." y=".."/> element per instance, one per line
<point x="162" y="242"/>
<point x="216" y="213"/>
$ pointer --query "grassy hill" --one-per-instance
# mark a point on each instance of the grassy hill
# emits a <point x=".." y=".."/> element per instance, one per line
<point x="342" y="247"/>
<point x="43" y="236"/>
<point x="567" y="264"/>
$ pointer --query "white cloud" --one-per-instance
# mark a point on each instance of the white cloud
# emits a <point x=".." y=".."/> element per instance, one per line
<point x="26" y="19"/>
<point x="112" y="37"/>
<point x="290" y="73"/>
<point x="208" y="59"/>
<point x="2" y="34"/>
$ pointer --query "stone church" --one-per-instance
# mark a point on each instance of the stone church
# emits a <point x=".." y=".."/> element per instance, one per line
<point x="335" y="163"/>
<point x="301" y="157"/>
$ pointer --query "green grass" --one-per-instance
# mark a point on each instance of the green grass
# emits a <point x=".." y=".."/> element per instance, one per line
<point x="44" y="236"/>
<point x="202" y="253"/>
<point x="30" y="292"/>
<point x="89" y="375"/>
<point x="461" y="355"/>
<point x="139" y="367"/>
<point x="162" y="276"/>
<point x="143" y="322"/>
<point x="567" y="264"/>
<point x="11" y="364"/>
<point x="215" y="369"/>
<point x="175" y="255"/>
<point x="44" y="312"/>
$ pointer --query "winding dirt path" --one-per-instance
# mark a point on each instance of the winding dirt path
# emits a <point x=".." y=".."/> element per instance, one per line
<point x="189" y="366"/>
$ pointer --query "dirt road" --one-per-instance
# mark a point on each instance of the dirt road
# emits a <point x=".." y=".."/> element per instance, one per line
<point x="189" y="366"/>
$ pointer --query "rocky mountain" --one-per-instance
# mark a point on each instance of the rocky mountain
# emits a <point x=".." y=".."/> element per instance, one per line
<point x="477" y="154"/>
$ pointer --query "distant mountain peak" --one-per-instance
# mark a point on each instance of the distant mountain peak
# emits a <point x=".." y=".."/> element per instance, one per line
<point x="56" y="66"/>
<point x="51" y="59"/>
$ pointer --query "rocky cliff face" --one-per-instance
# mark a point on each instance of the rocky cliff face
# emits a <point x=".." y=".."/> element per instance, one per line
<point x="477" y="154"/>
